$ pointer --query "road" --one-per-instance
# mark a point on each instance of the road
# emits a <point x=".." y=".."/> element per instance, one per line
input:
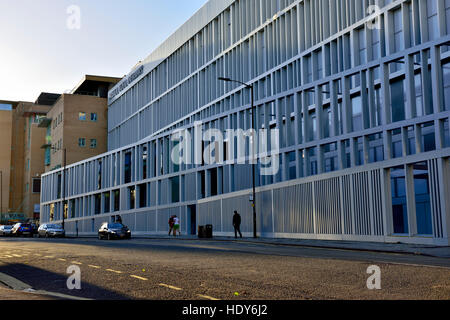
<point x="175" y="269"/>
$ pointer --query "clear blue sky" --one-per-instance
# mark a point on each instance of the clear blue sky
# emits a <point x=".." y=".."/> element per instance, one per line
<point x="39" y="53"/>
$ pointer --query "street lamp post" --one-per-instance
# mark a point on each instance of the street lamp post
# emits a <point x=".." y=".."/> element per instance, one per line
<point x="63" y="185"/>
<point x="249" y="86"/>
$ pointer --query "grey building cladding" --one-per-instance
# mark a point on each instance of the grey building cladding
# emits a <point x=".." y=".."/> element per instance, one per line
<point x="359" y="91"/>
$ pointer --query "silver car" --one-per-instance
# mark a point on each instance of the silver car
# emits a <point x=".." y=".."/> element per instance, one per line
<point x="51" y="230"/>
<point x="5" y="230"/>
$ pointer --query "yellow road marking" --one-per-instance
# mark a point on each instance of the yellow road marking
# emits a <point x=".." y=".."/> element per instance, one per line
<point x="37" y="254"/>
<point x="16" y="255"/>
<point x="170" y="287"/>
<point x="76" y="262"/>
<point x="60" y="259"/>
<point x="95" y="267"/>
<point x="137" y="277"/>
<point x="207" y="297"/>
<point x="49" y="257"/>
<point x="115" y="271"/>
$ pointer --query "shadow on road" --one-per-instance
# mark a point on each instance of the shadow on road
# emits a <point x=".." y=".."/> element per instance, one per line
<point x="40" y="279"/>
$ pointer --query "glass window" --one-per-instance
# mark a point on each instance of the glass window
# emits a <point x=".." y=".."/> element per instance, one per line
<point x="422" y="198"/>
<point x="36" y="185"/>
<point x="144" y="162"/>
<point x="397" y="143"/>
<point x="82" y="142"/>
<point x="348" y="158"/>
<point x="330" y="157"/>
<point x="47" y="156"/>
<point x="116" y="200"/>
<point x="446" y="84"/>
<point x="93" y="143"/>
<point x="97" y="203"/>
<point x="132" y="197"/>
<point x="292" y="165"/>
<point x="128" y="167"/>
<point x="433" y="24"/>
<point x="82" y="116"/>
<point x="378" y="107"/>
<point x="398" y="31"/>
<point x="376" y="150"/>
<point x="107" y="200"/>
<point x="428" y="137"/>
<point x="399" y="206"/>
<point x="359" y="151"/>
<point x="418" y="90"/>
<point x="175" y="188"/>
<point x="99" y="175"/>
<point x="142" y="195"/>
<point x="93" y="117"/>
<point x="397" y="100"/>
<point x="446" y="134"/>
<point x="312" y="154"/>
<point x="411" y="145"/>
<point x="357" y="113"/>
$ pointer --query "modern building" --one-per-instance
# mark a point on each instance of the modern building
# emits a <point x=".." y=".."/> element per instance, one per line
<point x="78" y="123"/>
<point x="359" y="92"/>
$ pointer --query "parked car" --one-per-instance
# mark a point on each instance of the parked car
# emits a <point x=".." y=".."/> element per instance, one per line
<point x="5" y="230"/>
<point x="22" y="229"/>
<point x="51" y="230"/>
<point x="113" y="231"/>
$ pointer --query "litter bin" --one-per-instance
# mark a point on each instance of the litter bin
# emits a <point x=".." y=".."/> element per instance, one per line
<point x="201" y="232"/>
<point x="209" y="231"/>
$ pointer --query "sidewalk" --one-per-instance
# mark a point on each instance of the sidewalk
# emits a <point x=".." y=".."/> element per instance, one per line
<point x="14" y="289"/>
<point x="9" y="294"/>
<point x="417" y="249"/>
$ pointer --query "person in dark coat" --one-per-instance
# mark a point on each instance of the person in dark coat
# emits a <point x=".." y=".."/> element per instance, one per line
<point x="237" y="224"/>
<point x="171" y="224"/>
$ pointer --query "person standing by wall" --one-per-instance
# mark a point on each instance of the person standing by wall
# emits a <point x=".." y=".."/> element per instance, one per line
<point x="176" y="226"/>
<point x="237" y="224"/>
<point x="171" y="223"/>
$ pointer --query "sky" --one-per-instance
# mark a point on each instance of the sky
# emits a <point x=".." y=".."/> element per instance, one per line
<point x="43" y="50"/>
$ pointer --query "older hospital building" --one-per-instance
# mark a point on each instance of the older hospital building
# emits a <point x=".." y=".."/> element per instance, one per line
<point x="359" y="91"/>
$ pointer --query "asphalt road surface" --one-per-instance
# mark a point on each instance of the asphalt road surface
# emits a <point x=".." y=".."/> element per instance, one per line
<point x="174" y="269"/>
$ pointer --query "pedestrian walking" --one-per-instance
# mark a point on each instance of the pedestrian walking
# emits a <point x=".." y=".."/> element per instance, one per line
<point x="171" y="223"/>
<point x="176" y="226"/>
<point x="237" y="224"/>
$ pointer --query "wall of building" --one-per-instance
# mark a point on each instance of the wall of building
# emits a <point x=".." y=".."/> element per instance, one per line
<point x="67" y="128"/>
<point x="17" y="163"/>
<point x="363" y="116"/>
<point x="5" y="156"/>
<point x="33" y="166"/>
